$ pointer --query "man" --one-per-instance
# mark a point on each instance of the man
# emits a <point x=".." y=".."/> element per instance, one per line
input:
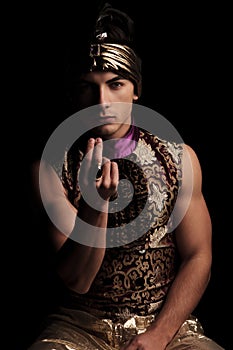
<point x="128" y="221"/>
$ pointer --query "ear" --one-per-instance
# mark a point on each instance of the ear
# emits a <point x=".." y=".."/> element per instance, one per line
<point x="135" y="97"/>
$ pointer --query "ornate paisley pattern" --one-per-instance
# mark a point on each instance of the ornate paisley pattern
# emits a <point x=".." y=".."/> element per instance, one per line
<point x="135" y="276"/>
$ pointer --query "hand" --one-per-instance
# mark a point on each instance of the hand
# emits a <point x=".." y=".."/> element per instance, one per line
<point x="96" y="191"/>
<point x="145" y="341"/>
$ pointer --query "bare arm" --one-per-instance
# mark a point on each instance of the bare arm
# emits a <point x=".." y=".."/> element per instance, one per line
<point x="77" y="263"/>
<point x="193" y="236"/>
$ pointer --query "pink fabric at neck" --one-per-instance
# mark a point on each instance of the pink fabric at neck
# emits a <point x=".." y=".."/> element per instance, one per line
<point x="122" y="147"/>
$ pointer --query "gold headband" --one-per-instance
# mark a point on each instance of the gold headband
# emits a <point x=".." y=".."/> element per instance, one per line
<point x="116" y="57"/>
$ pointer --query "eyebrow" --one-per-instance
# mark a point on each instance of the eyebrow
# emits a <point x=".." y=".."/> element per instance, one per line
<point x="118" y="77"/>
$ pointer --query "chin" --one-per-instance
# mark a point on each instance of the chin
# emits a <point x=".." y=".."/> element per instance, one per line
<point x="106" y="130"/>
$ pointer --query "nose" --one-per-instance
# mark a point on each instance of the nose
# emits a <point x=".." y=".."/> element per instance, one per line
<point x="104" y="98"/>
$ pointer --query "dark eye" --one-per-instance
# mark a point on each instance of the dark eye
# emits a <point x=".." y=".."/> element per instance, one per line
<point x="116" y="85"/>
<point x="83" y="87"/>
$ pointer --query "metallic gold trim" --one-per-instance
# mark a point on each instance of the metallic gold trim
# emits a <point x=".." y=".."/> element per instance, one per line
<point x="108" y="56"/>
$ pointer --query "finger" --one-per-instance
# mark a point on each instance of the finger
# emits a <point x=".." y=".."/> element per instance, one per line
<point x="87" y="160"/>
<point x="106" y="178"/>
<point x="132" y="344"/>
<point x="96" y="162"/>
<point x="90" y="148"/>
<point x="114" y="175"/>
<point x="109" y="180"/>
<point x="98" y="152"/>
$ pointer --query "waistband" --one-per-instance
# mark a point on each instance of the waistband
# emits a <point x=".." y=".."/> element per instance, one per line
<point x="117" y="332"/>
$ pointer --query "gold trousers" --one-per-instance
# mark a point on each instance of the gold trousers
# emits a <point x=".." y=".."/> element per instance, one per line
<point x="78" y="330"/>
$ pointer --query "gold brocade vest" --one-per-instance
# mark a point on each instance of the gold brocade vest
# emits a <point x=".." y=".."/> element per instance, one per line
<point x="135" y="274"/>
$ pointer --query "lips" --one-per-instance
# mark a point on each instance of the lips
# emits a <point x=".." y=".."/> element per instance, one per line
<point x="106" y="120"/>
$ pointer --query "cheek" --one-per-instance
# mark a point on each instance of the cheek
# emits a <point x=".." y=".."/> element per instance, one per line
<point x="85" y="100"/>
<point x="127" y="96"/>
<point x="124" y="109"/>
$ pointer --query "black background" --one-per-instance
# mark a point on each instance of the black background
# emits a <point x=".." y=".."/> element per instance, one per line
<point x="185" y="53"/>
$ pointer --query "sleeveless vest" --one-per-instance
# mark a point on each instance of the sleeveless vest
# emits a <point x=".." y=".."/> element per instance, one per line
<point x="140" y="266"/>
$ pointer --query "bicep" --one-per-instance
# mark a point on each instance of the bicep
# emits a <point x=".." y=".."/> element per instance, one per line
<point x="53" y="203"/>
<point x="193" y="234"/>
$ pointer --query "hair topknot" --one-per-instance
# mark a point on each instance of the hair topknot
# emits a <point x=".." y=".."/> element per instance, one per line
<point x="113" y="25"/>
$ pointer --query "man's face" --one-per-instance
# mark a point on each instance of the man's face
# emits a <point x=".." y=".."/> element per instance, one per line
<point x="113" y="97"/>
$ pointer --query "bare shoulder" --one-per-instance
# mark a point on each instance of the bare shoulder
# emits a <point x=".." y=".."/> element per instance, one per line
<point x="193" y="158"/>
<point x="40" y="165"/>
<point x="192" y="154"/>
<point x="192" y="163"/>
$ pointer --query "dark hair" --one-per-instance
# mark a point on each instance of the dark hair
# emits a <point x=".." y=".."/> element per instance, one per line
<point x="117" y="24"/>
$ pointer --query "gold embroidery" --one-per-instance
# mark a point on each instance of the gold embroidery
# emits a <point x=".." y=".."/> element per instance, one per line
<point x="144" y="153"/>
<point x="134" y="276"/>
